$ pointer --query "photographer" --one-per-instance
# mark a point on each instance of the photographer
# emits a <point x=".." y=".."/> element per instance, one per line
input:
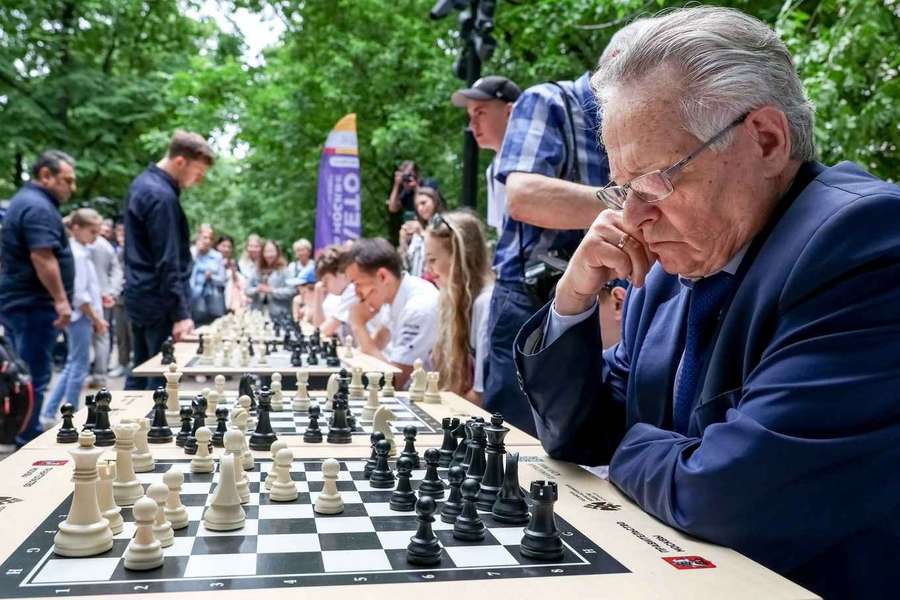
<point x="401" y="203"/>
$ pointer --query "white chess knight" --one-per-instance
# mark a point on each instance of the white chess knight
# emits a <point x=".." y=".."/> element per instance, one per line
<point x="432" y="392"/>
<point x="144" y="551"/>
<point x="85" y="532"/>
<point x="382" y="422"/>
<point x="284" y="489"/>
<point x="173" y="376"/>
<point x="329" y="501"/>
<point x="372" y="392"/>
<point x="418" y="382"/>
<point x="301" y="399"/>
<point x="175" y="511"/>
<point x="331" y="388"/>
<point x="225" y="512"/>
<point x="141" y="457"/>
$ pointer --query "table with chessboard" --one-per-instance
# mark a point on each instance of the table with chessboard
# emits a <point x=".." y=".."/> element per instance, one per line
<point x="612" y="548"/>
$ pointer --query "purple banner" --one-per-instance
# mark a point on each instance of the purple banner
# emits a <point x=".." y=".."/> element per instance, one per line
<point x="338" y="210"/>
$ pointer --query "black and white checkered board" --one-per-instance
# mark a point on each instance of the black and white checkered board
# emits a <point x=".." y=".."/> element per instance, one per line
<point x="289" y="422"/>
<point x="287" y="545"/>
<point x="275" y="360"/>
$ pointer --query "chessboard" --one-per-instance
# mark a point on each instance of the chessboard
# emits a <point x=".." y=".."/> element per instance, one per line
<point x="288" y="422"/>
<point x="279" y="360"/>
<point x="286" y="544"/>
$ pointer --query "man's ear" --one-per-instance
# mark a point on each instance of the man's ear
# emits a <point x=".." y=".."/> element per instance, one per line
<point x="618" y="296"/>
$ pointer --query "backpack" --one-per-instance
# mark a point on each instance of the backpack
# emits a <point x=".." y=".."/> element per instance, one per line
<point x="16" y="393"/>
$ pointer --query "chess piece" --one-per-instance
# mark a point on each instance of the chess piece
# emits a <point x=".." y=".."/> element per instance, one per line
<point x="263" y="436"/>
<point x="245" y="388"/>
<point x="432" y="392"/>
<point x="356" y="388"/>
<point x="424" y="548"/>
<point x="212" y="405"/>
<point x="240" y="422"/>
<point x="418" y="381"/>
<point x="186" y="428"/>
<point x="284" y="489"/>
<point x="453" y="505"/>
<point x="167" y="350"/>
<point x="329" y="501"/>
<point x="374" y="438"/>
<point x="225" y="512"/>
<point x="468" y="525"/>
<point x="175" y="511"/>
<point x="202" y="461"/>
<point x="448" y="424"/>
<point x="510" y="506"/>
<point x="382" y="477"/>
<point x="541" y="539"/>
<point x="387" y="390"/>
<point x="144" y="552"/>
<point x="162" y="528"/>
<point x="85" y="532"/>
<point x="218" y="438"/>
<point x="105" y="500"/>
<point x="382" y="422"/>
<point x="409" y="449"/>
<point x="478" y="464"/>
<point x="277" y="393"/>
<point x="245" y="403"/>
<point x="219" y="386"/>
<point x="160" y="432"/>
<point x="301" y="399"/>
<point x="234" y="446"/>
<point x="313" y="435"/>
<point x="468" y="442"/>
<point x="338" y="431"/>
<point x="141" y="457"/>
<point x="92" y="412"/>
<point x="403" y="499"/>
<point x="432" y="485"/>
<point x="348" y="347"/>
<point x="296" y="356"/>
<point x="102" y="429"/>
<point x="462" y="445"/>
<point x="199" y="416"/>
<point x="126" y="487"/>
<point x="200" y="345"/>
<point x="372" y="391"/>
<point x="270" y="478"/>
<point x="173" y="376"/>
<point x="331" y="389"/>
<point x="67" y="433"/>
<point x="493" y="473"/>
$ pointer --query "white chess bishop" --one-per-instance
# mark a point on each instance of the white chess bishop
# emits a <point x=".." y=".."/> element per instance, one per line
<point x="173" y="376"/>
<point x="225" y="512"/>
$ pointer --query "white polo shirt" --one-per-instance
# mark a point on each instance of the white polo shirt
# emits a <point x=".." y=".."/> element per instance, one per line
<point x="413" y="321"/>
<point x="338" y="306"/>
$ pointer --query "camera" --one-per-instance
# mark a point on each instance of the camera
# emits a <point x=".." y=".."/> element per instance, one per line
<point x="541" y="276"/>
<point x="408" y="178"/>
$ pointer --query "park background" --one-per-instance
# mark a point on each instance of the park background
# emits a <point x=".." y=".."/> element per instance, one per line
<point x="109" y="80"/>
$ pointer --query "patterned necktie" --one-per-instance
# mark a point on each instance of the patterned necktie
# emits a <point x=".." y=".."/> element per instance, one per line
<point x="707" y="296"/>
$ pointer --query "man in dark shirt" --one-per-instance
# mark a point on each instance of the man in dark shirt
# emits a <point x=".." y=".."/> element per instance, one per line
<point x="157" y="249"/>
<point x="38" y="271"/>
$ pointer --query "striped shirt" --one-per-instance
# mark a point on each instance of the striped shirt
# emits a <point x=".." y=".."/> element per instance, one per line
<point x="539" y="139"/>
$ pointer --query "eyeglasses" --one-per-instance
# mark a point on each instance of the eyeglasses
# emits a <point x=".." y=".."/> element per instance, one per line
<point x="437" y="220"/>
<point x="657" y="185"/>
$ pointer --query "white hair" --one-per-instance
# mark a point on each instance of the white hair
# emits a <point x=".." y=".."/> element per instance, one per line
<point x="302" y="243"/>
<point x="728" y="63"/>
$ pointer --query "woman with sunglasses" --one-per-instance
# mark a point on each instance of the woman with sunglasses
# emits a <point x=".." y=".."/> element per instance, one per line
<point x="457" y="258"/>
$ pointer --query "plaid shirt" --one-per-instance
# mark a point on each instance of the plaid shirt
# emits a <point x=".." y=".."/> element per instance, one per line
<point x="538" y="140"/>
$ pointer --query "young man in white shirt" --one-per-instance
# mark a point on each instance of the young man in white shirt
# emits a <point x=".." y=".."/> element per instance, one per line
<point x="374" y="268"/>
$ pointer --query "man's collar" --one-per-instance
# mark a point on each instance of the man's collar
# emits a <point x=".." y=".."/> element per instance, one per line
<point x="47" y="193"/>
<point x="731" y="267"/>
<point x="155" y="168"/>
<point x="402" y="291"/>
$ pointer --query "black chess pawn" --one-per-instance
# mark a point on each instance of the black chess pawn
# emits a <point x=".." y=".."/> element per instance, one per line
<point x="67" y="433"/>
<point x="338" y="431"/>
<point x="264" y="435"/>
<point x="382" y="477"/>
<point x="168" y="351"/>
<point x="409" y="450"/>
<point x="510" y="506"/>
<point x="376" y="437"/>
<point x="102" y="430"/>
<point x="432" y="485"/>
<point x="92" y="413"/>
<point x="331" y="356"/>
<point x="183" y="435"/>
<point x="449" y="445"/>
<point x="493" y="473"/>
<point x="312" y="358"/>
<point x="468" y="525"/>
<point x="453" y="505"/>
<point x="160" y="432"/>
<point x="462" y="445"/>
<point x="477" y="463"/>
<point x="200" y="345"/>
<point x="541" y="540"/>
<point x="424" y="548"/>
<point x="403" y="499"/>
<point x="313" y="435"/>
<point x="218" y="437"/>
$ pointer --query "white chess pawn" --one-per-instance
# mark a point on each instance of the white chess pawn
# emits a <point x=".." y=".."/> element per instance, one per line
<point x="432" y="393"/>
<point x="277" y="393"/>
<point x="329" y="501"/>
<point x="140" y="457"/>
<point x="85" y="532"/>
<point x="105" y="500"/>
<point x="270" y="478"/>
<point x="126" y="487"/>
<point x="372" y="391"/>
<point x="387" y="390"/>
<point x="175" y="511"/>
<point x="284" y="489"/>
<point x="356" y="389"/>
<point x="301" y="399"/>
<point x="162" y="527"/>
<point x="219" y="383"/>
<point x="202" y="462"/>
<point x="212" y="403"/>
<point x="234" y="445"/>
<point x="244" y="402"/>
<point x="331" y="388"/>
<point x="173" y="376"/>
<point x="225" y="512"/>
<point x="240" y="422"/>
<point x="144" y="551"/>
<point x="348" y="346"/>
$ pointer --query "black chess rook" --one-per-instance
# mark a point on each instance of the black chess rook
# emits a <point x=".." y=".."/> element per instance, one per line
<point x="541" y="540"/>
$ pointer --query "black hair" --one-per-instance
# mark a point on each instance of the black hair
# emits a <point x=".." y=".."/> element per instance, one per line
<point x="51" y="159"/>
<point x="373" y="254"/>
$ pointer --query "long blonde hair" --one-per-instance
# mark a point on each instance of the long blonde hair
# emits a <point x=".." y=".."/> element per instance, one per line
<point x="463" y="236"/>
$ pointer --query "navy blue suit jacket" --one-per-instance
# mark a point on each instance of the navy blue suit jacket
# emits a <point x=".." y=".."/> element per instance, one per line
<point x="793" y="451"/>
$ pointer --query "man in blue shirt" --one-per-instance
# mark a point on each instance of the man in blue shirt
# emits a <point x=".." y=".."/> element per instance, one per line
<point x="157" y="249"/>
<point x="38" y="271"/>
<point x="551" y="163"/>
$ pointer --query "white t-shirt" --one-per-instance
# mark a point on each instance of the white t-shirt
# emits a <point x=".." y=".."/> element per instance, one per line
<point x="478" y="335"/>
<point x="338" y="306"/>
<point x="413" y="321"/>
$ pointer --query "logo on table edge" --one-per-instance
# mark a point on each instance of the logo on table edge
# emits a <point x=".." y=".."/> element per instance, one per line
<point x="684" y="563"/>
<point x="49" y="463"/>
<point x="4" y="500"/>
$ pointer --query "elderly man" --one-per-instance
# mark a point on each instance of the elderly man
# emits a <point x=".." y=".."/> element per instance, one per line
<point x="754" y="399"/>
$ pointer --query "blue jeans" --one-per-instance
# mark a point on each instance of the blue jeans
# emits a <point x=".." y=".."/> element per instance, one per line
<point x="511" y="306"/>
<point x="146" y="342"/>
<point x="32" y="334"/>
<point x="78" y="364"/>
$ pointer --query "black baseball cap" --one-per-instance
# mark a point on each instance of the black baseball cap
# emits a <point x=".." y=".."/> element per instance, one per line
<point x="492" y="87"/>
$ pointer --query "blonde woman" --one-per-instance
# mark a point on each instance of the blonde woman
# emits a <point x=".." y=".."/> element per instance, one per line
<point x="456" y="256"/>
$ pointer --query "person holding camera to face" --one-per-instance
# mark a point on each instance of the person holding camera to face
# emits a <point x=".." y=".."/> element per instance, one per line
<point x="401" y="203"/>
